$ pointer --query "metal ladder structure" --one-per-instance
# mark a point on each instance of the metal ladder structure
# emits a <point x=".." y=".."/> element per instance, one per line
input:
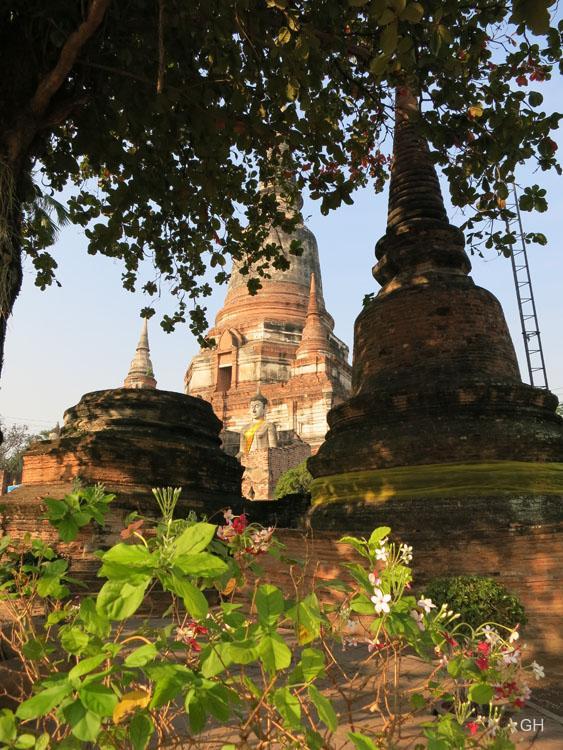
<point x="525" y="295"/>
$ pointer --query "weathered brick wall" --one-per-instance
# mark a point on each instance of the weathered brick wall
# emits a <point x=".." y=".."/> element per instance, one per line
<point x="449" y="327"/>
<point x="264" y="467"/>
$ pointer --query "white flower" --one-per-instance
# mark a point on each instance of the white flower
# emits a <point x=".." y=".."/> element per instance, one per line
<point x="374" y="580"/>
<point x="426" y="604"/>
<point x="381" y="601"/>
<point x="493" y="724"/>
<point x="491" y="635"/>
<point x="513" y="636"/>
<point x="511" y="657"/>
<point x="526" y="692"/>
<point x="228" y="515"/>
<point x="381" y="554"/>
<point x="406" y="553"/>
<point x="539" y="673"/>
<point x="512" y="726"/>
<point x="418" y="617"/>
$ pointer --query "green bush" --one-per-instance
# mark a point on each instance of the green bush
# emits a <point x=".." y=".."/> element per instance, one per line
<point x="477" y="599"/>
<point x="294" y="481"/>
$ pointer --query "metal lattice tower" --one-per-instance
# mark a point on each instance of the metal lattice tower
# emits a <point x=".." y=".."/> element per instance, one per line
<point x="526" y="303"/>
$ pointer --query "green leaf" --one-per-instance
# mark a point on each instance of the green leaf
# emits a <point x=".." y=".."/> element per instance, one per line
<point x="284" y="36"/>
<point x="362" y="605"/>
<point x="43" y="702"/>
<point x="85" y="666"/>
<point x="217" y="699"/>
<point x="388" y="39"/>
<point x="141" y="730"/>
<point x="413" y="13"/>
<point x="169" y="682"/>
<point x="377" y="535"/>
<point x="195" y="709"/>
<point x="289" y="707"/>
<point x="269" y="604"/>
<point x="36" y="649"/>
<point x="377" y="66"/>
<point x="68" y="529"/>
<point x="417" y="701"/>
<point x="362" y="741"/>
<point x="98" y="699"/>
<point x="535" y="98"/>
<point x="118" y="600"/>
<point x="141" y="656"/>
<point x="481" y="693"/>
<point x="194" y="600"/>
<point x="131" y="555"/>
<point x="324" y="708"/>
<point x="84" y="724"/>
<point x="8" y="731"/>
<point x="307" y="618"/>
<point x="274" y="653"/>
<point x="43" y="741"/>
<point x="242" y="652"/>
<point x="194" y="539"/>
<point x="56" y="509"/>
<point x="532" y="13"/>
<point x="311" y="665"/>
<point x="25" y="741"/>
<point x="215" y="658"/>
<point x="94" y="622"/>
<point x="201" y="564"/>
<point x="74" y="640"/>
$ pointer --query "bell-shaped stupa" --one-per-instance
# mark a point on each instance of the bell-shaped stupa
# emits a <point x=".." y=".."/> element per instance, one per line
<point x="435" y="378"/>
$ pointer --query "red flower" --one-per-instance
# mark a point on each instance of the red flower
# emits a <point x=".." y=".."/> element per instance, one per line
<point x="521" y="80"/>
<point x="473" y="727"/>
<point x="484" y="648"/>
<point x="519" y="703"/>
<point x="450" y="640"/>
<point x="482" y="662"/>
<point x="240" y="523"/>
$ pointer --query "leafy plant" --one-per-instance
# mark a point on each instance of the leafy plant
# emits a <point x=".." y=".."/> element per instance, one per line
<point x="77" y="509"/>
<point x="254" y="659"/>
<point x="477" y="599"/>
<point x="295" y="480"/>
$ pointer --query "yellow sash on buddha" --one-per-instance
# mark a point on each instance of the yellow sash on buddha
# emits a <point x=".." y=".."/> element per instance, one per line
<point x="249" y="435"/>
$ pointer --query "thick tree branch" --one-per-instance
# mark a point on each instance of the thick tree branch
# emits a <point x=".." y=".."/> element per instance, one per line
<point x="52" y="82"/>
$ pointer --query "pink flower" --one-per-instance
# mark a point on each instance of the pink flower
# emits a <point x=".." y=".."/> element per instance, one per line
<point x="484" y="648"/>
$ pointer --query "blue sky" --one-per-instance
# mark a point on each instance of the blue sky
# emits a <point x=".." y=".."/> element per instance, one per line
<point x="66" y="341"/>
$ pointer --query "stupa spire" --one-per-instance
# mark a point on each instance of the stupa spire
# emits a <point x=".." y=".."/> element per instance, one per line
<point x="419" y="236"/>
<point x="141" y="373"/>
<point x="314" y="339"/>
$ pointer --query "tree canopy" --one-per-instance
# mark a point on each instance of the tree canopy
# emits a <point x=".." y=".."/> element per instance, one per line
<point x="167" y="116"/>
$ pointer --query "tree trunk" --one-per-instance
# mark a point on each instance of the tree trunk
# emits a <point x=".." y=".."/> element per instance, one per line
<point x="10" y="248"/>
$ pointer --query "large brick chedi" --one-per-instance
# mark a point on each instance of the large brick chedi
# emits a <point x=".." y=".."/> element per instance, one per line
<point x="280" y="342"/>
<point x="435" y="378"/>
<point x="441" y="439"/>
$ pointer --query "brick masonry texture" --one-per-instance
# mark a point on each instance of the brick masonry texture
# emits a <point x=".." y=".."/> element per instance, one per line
<point x="136" y="439"/>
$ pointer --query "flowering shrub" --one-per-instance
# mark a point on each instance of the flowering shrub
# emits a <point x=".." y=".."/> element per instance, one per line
<point x="260" y="666"/>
